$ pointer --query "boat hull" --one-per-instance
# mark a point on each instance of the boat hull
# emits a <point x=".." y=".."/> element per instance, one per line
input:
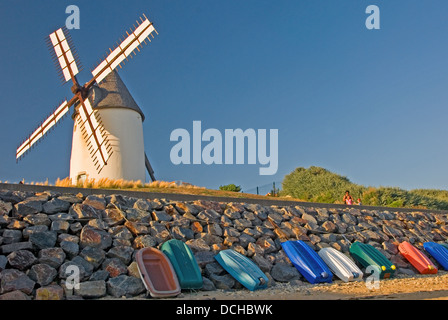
<point x="157" y="273"/>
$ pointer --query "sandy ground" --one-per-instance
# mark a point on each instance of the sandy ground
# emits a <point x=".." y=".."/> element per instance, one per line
<point x="417" y="287"/>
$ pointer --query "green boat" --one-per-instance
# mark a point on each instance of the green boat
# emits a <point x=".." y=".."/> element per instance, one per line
<point x="184" y="263"/>
<point x="368" y="255"/>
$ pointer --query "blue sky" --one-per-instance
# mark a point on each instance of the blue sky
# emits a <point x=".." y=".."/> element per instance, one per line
<point x="367" y="104"/>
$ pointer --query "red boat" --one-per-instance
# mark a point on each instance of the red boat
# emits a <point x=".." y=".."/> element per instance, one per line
<point x="157" y="273"/>
<point x="417" y="258"/>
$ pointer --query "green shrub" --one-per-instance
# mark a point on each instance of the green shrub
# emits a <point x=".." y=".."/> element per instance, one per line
<point x="317" y="184"/>
<point x="230" y="187"/>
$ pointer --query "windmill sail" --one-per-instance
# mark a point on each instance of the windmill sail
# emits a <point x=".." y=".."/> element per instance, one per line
<point x="49" y="123"/>
<point x="94" y="134"/>
<point x="64" y="56"/>
<point x="124" y="50"/>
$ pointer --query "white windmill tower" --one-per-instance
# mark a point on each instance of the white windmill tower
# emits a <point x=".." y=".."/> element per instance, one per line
<point x="108" y="132"/>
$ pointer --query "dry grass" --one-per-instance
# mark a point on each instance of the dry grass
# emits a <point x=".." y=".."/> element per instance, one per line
<point x="106" y="183"/>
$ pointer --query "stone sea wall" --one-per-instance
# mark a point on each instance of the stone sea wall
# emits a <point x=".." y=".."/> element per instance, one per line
<point x="44" y="234"/>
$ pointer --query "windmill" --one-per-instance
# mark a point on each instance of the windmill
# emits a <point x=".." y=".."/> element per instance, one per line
<point x="107" y="136"/>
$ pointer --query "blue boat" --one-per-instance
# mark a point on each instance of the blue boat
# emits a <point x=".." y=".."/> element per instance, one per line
<point x="244" y="270"/>
<point x="438" y="252"/>
<point x="307" y="261"/>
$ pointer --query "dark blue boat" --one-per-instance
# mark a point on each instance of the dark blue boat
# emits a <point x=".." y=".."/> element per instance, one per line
<point x="307" y="261"/>
<point x="244" y="270"/>
<point x="439" y="252"/>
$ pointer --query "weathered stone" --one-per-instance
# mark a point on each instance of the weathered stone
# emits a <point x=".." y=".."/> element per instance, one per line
<point x="14" y="295"/>
<point x="27" y="207"/>
<point x="207" y="285"/>
<point x="11" y="236"/>
<point x="136" y="228"/>
<point x="232" y="214"/>
<point x="113" y="216"/>
<point x="214" y="229"/>
<point x="245" y="239"/>
<point x="159" y="233"/>
<point x="43" y="240"/>
<point x="60" y="226"/>
<point x="184" y="207"/>
<point x="13" y="279"/>
<point x="54" y="257"/>
<point x="393" y="232"/>
<point x="61" y="216"/>
<point x="210" y="239"/>
<point x="5" y="208"/>
<point x="52" y="292"/>
<point x="198" y="245"/>
<point x="204" y="257"/>
<point x="55" y="205"/>
<point x="329" y="226"/>
<point x="124" y="285"/>
<point x="267" y="244"/>
<point x="4" y="220"/>
<point x="264" y="264"/>
<point x="241" y="224"/>
<point x="390" y="247"/>
<point x="209" y="205"/>
<point x="21" y="259"/>
<point x="399" y="261"/>
<point x="224" y="282"/>
<point x="75" y="227"/>
<point x="283" y="272"/>
<point x="171" y="210"/>
<point x="213" y="268"/>
<point x="99" y="275"/>
<point x="209" y="215"/>
<point x="133" y="270"/>
<point x="258" y="210"/>
<point x="42" y="273"/>
<point x="37" y="219"/>
<point x="121" y="232"/>
<point x="3" y="262"/>
<point x="161" y="216"/>
<point x="309" y="218"/>
<point x="93" y="255"/>
<point x="144" y="241"/>
<point x="70" y="198"/>
<point x="138" y="215"/>
<point x="95" y="201"/>
<point x="91" y="289"/>
<point x="17" y="224"/>
<point x="8" y="248"/>
<point x="349" y="219"/>
<point x="81" y="211"/>
<point x="143" y="204"/>
<point x="70" y="248"/>
<point x="94" y="238"/>
<point x="121" y="252"/>
<point x="182" y="233"/>
<point x="122" y="202"/>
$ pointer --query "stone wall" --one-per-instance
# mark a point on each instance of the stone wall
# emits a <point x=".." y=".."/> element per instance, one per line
<point x="43" y="234"/>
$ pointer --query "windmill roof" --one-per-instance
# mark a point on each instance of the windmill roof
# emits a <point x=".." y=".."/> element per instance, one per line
<point x="113" y="93"/>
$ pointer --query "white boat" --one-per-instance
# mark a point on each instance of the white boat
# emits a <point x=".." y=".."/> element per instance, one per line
<point x="341" y="265"/>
